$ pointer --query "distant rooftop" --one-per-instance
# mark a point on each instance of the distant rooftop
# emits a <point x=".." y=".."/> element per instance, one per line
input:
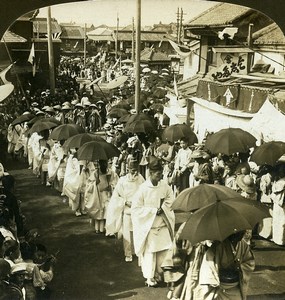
<point x="220" y="14"/>
<point x="11" y="37"/>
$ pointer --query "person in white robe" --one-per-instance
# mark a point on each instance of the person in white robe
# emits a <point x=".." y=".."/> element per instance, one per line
<point x="57" y="165"/>
<point x="153" y="223"/>
<point x="99" y="187"/>
<point x="74" y="182"/>
<point x="277" y="196"/>
<point x="118" y="218"/>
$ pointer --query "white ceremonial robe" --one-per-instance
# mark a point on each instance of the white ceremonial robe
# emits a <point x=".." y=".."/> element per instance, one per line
<point x="124" y="191"/>
<point x="152" y="233"/>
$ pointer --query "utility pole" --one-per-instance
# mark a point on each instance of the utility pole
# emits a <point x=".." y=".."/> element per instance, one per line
<point x="138" y="57"/>
<point x="116" y="43"/>
<point x="249" y="44"/>
<point x="180" y="26"/>
<point x="84" y="45"/>
<point x="50" y="54"/>
<point x="133" y="40"/>
<point x="177" y="25"/>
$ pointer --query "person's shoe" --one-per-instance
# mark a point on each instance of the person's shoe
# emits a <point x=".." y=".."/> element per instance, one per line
<point x="29" y="168"/>
<point x="78" y="214"/>
<point x="151" y="283"/>
<point x="84" y="212"/>
<point x="48" y="184"/>
<point x="97" y="232"/>
<point x="128" y="259"/>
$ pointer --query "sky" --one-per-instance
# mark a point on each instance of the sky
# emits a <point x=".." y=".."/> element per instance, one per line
<point x="98" y="12"/>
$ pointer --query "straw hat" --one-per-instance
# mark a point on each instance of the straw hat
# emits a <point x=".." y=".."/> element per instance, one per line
<point x="74" y="102"/>
<point x="246" y="183"/>
<point x="50" y="109"/>
<point x="198" y="153"/>
<point x="39" y="112"/>
<point x="57" y="107"/>
<point x="66" y="107"/>
<point x="78" y="105"/>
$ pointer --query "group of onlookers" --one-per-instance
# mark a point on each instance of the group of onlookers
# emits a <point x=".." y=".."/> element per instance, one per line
<point x="26" y="268"/>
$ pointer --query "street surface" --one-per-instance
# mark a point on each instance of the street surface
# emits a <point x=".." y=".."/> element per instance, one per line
<point x="92" y="266"/>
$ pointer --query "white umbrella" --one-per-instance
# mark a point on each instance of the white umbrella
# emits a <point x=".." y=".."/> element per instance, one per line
<point x="6" y="90"/>
<point x="146" y="70"/>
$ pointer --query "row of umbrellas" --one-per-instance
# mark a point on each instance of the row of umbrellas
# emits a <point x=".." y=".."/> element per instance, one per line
<point x="226" y="141"/>
<point x="90" y="147"/>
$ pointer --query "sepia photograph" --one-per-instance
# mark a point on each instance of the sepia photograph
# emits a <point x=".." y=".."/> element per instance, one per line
<point x="142" y="150"/>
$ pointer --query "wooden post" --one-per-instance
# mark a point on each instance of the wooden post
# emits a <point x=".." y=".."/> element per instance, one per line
<point x="84" y="45"/>
<point x="50" y="54"/>
<point x="249" y="43"/>
<point x="133" y="40"/>
<point x="138" y="56"/>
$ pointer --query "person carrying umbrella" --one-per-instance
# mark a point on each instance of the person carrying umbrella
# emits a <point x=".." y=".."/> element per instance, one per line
<point x="153" y="223"/>
<point x="235" y="263"/>
<point x="182" y="165"/>
<point x="98" y="191"/>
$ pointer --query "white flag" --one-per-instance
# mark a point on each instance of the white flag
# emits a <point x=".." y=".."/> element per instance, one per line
<point x="3" y="74"/>
<point x="32" y="59"/>
<point x="183" y="51"/>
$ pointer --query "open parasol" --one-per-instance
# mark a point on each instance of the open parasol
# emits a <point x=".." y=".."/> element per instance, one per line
<point x="40" y="126"/>
<point x="202" y="195"/>
<point x="76" y="141"/>
<point x="229" y="141"/>
<point x="139" y="117"/>
<point x="220" y="219"/>
<point x="5" y="91"/>
<point x="23" y="118"/>
<point x="175" y="132"/>
<point x="63" y="132"/>
<point x="117" y="112"/>
<point x="268" y="153"/>
<point x="93" y="151"/>
<point x="143" y="126"/>
<point x="124" y="119"/>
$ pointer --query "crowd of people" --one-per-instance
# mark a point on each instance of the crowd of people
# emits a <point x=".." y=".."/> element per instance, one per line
<point x="130" y="196"/>
<point x="26" y="267"/>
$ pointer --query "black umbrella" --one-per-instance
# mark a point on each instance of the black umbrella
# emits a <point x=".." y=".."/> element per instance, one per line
<point x="23" y="118"/>
<point x="94" y="151"/>
<point x="175" y="132"/>
<point x="268" y="153"/>
<point x="76" y="141"/>
<point x="229" y="141"/>
<point x="63" y="132"/>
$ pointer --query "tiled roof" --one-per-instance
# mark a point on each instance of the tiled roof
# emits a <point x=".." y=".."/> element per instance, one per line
<point x="269" y="35"/>
<point x="72" y="32"/>
<point x="40" y="26"/>
<point x="101" y="31"/>
<point x="149" y="54"/>
<point x="11" y="37"/>
<point x="145" y="36"/>
<point x="220" y="14"/>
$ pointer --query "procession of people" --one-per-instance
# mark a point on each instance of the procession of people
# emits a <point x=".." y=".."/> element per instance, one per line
<point x="142" y="181"/>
